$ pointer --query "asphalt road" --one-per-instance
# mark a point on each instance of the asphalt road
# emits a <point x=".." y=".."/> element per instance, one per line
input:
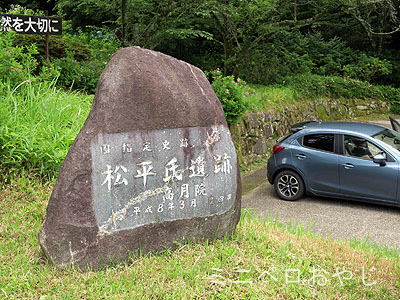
<point x="339" y="219"/>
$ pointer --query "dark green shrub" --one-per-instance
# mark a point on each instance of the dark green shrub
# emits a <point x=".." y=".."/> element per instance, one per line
<point x="79" y="59"/>
<point x="293" y="53"/>
<point x="78" y="75"/>
<point x="11" y="69"/>
<point x="393" y="78"/>
<point x="84" y="74"/>
<point x="395" y="108"/>
<point x="58" y="46"/>
<point x="280" y="56"/>
<point x="16" y="63"/>
<point x="334" y="57"/>
<point x="367" y="68"/>
<point x="230" y="92"/>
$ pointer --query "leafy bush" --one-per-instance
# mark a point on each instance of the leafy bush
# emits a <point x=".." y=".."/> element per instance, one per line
<point x="20" y="64"/>
<point x="393" y="78"/>
<point x="335" y="58"/>
<point x="38" y="121"/>
<point x="230" y="93"/>
<point x="100" y="42"/>
<point x="83" y="74"/>
<point x="395" y="108"/>
<point x="293" y="53"/>
<point x="11" y="70"/>
<point x="367" y="68"/>
<point x="16" y="9"/>
<point x="16" y="63"/>
<point x="269" y="62"/>
<point x="78" y="75"/>
<point x="79" y="58"/>
<point x="59" y="46"/>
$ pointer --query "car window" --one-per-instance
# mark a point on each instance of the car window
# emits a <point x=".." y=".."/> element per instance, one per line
<point x="389" y="137"/>
<point x="360" y="147"/>
<point x="395" y="124"/>
<point x="283" y="138"/>
<point x="321" y="141"/>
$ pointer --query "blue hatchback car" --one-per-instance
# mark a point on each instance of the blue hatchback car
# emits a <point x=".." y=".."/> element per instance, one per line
<point x="358" y="161"/>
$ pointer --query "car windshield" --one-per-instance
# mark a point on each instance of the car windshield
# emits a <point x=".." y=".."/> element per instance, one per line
<point x="390" y="137"/>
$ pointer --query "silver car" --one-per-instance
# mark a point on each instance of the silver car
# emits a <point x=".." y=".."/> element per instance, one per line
<point x="358" y="161"/>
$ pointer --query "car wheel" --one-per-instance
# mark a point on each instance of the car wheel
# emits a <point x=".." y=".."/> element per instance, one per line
<point x="289" y="185"/>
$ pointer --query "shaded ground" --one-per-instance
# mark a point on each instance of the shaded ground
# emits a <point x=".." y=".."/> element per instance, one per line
<point x="254" y="179"/>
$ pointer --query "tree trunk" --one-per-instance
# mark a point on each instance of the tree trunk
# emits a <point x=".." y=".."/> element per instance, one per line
<point x="123" y="17"/>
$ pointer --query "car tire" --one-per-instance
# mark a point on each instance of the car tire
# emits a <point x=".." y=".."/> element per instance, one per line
<point x="289" y="186"/>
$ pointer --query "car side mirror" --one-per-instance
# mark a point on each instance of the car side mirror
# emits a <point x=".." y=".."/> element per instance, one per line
<point x="380" y="159"/>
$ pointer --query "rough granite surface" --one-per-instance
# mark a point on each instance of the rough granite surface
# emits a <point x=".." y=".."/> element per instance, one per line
<point x="139" y="90"/>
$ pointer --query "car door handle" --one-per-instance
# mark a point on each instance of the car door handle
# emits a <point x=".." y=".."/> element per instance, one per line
<point x="301" y="156"/>
<point x="348" y="166"/>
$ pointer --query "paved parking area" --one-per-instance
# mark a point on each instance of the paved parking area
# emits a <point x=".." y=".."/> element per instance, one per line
<point x="338" y="219"/>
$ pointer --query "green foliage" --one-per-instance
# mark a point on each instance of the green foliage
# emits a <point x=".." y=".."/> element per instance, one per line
<point x="82" y="13"/>
<point x="292" y="53"/>
<point x="38" y="121"/>
<point x="334" y="57"/>
<point x="58" y="46"/>
<point x="230" y="93"/>
<point x="259" y="41"/>
<point x="367" y="68"/>
<point x="393" y="78"/>
<point x="315" y="86"/>
<point x="16" y="9"/>
<point x="76" y="60"/>
<point x="78" y="75"/>
<point x="156" y="24"/>
<point x="11" y="69"/>
<point x="16" y="63"/>
<point x="22" y="64"/>
<point x="82" y="73"/>
<point x="283" y="54"/>
<point x="38" y="125"/>
<point x="395" y="108"/>
<point x="266" y="97"/>
<point x="328" y="56"/>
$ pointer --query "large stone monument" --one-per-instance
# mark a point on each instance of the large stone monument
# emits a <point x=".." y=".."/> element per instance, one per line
<point x="153" y="164"/>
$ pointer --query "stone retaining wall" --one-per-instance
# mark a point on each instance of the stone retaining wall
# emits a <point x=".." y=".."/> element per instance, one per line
<point x="256" y="133"/>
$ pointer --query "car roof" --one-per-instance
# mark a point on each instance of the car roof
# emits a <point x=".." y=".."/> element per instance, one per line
<point x="363" y="128"/>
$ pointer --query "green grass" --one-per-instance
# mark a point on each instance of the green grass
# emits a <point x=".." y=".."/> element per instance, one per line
<point x="263" y="97"/>
<point x="238" y="268"/>
<point x="308" y="87"/>
<point x="38" y="125"/>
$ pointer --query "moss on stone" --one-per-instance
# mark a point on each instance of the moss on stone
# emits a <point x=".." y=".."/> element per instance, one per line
<point x="321" y="113"/>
